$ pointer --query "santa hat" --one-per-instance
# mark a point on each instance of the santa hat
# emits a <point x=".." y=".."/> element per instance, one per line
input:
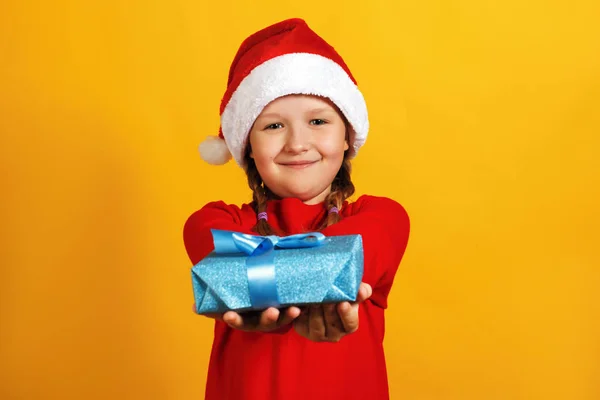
<point x="282" y="59"/>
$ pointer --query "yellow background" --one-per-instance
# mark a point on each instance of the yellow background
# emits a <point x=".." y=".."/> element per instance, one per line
<point x="485" y="125"/>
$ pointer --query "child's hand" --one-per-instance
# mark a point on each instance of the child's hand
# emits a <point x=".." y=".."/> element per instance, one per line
<point x="331" y="322"/>
<point x="265" y="321"/>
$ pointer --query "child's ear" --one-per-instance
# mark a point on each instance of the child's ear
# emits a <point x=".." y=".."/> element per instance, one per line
<point x="346" y="145"/>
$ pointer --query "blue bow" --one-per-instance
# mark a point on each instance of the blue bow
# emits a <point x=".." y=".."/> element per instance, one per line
<point x="260" y="263"/>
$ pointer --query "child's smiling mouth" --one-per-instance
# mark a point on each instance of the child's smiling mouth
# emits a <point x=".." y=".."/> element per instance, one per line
<point x="299" y="164"/>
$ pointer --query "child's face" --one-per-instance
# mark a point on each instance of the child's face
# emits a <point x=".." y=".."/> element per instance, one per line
<point x="298" y="145"/>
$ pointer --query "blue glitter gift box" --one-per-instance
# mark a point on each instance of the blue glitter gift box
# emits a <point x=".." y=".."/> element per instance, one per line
<point x="247" y="272"/>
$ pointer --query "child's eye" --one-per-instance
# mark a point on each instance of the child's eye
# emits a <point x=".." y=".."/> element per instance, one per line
<point x="318" y="122"/>
<point x="274" y="126"/>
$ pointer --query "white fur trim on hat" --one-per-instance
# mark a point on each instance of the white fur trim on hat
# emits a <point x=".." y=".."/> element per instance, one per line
<point x="294" y="73"/>
<point x="214" y="151"/>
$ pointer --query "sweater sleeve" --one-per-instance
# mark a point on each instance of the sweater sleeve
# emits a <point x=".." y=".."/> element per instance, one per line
<point x="196" y="232"/>
<point x="384" y="226"/>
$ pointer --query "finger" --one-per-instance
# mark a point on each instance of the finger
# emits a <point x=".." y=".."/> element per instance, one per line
<point x="316" y="323"/>
<point x="268" y="318"/>
<point x="364" y="292"/>
<point x="288" y="316"/>
<point x="334" y="329"/>
<point x="349" y="316"/>
<point x="293" y="312"/>
<point x="233" y="319"/>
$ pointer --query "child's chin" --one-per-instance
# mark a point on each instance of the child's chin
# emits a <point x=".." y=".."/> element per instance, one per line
<point x="303" y="194"/>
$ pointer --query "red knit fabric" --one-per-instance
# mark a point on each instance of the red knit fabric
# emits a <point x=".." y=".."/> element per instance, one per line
<point x="289" y="36"/>
<point x="282" y="364"/>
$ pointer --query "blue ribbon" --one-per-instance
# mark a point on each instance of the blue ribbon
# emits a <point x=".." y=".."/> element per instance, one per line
<point x="260" y="264"/>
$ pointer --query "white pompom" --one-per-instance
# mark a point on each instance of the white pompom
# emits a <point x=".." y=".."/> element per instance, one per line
<point x="214" y="151"/>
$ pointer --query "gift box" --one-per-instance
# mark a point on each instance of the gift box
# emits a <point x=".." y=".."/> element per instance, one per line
<point x="248" y="272"/>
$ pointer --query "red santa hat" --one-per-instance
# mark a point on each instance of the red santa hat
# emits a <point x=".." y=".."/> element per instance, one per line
<point x="282" y="59"/>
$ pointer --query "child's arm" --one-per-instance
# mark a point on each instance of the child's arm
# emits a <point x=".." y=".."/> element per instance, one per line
<point x="384" y="226"/>
<point x="198" y="242"/>
<point x="196" y="232"/>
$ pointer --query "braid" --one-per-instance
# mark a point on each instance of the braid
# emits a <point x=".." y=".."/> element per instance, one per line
<point x="259" y="198"/>
<point x="341" y="189"/>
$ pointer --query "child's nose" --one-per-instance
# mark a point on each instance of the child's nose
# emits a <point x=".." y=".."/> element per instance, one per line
<point x="297" y="140"/>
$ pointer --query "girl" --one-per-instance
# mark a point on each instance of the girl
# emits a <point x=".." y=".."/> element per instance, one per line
<point x="293" y="117"/>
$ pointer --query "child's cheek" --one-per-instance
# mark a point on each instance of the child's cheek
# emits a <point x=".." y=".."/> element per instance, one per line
<point x="333" y="148"/>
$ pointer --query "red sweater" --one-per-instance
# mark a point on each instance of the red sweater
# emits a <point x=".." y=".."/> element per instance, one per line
<point x="282" y="365"/>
